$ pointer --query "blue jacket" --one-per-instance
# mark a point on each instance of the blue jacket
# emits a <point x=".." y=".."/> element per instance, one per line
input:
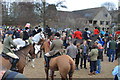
<point x="11" y="75"/>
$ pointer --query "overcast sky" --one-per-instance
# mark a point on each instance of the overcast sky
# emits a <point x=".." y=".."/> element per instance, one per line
<point x="75" y="4"/>
<point x="84" y="4"/>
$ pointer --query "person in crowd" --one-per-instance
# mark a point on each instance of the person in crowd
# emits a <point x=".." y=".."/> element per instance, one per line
<point x="16" y="34"/>
<point x="84" y="54"/>
<point x="3" y="35"/>
<point x="93" y="59"/>
<point x="68" y="40"/>
<point x="11" y="75"/>
<point x="106" y="34"/>
<point x="96" y="31"/>
<point x="72" y="50"/>
<point x="99" y="58"/>
<point x="78" y="36"/>
<point x="36" y="38"/>
<point x="107" y="47"/>
<point x="55" y="49"/>
<point x="86" y="34"/>
<point x="77" y="56"/>
<point x="112" y="49"/>
<point x="64" y="38"/>
<point x="102" y="32"/>
<point x="100" y="41"/>
<point x="26" y="34"/>
<point x="116" y="72"/>
<point x="35" y="31"/>
<point x="8" y="50"/>
<point x="118" y="50"/>
<point x="48" y="30"/>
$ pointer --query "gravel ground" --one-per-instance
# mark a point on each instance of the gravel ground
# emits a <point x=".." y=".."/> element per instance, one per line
<point x="38" y="71"/>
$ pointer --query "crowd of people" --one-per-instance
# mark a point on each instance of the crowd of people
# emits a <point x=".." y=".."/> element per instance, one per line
<point x="81" y="45"/>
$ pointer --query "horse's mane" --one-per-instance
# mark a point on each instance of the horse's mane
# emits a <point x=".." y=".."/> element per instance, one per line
<point x="23" y="47"/>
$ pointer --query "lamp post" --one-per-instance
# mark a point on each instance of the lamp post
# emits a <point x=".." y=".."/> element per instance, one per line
<point x="44" y="23"/>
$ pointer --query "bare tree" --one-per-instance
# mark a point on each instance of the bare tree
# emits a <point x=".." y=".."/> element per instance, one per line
<point x="109" y="5"/>
<point x="18" y="13"/>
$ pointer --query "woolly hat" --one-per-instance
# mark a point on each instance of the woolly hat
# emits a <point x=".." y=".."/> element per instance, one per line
<point x="57" y="34"/>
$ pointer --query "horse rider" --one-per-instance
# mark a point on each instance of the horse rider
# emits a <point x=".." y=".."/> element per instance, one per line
<point x="8" y="50"/>
<point x="11" y="75"/>
<point x="36" y="38"/>
<point x="55" y="49"/>
<point x="26" y="35"/>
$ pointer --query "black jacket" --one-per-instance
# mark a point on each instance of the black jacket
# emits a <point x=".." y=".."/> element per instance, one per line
<point x="25" y="35"/>
<point x="34" y="32"/>
<point x="85" y="35"/>
<point x="100" y="54"/>
<point x="118" y="50"/>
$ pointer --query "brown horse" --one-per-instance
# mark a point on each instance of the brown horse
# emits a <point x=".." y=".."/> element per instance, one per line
<point x="64" y="64"/>
<point x="22" y="54"/>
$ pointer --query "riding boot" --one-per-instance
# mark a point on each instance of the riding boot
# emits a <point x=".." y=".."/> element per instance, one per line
<point x="47" y="61"/>
<point x="13" y="68"/>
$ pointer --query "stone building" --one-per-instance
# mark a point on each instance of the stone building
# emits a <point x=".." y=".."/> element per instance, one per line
<point x="96" y="16"/>
<point x="116" y="14"/>
<point x="80" y="18"/>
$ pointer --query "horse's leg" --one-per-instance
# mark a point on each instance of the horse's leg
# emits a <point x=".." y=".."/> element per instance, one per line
<point x="32" y="63"/>
<point x="47" y="73"/>
<point x="41" y="53"/>
<point x="37" y="55"/>
<point x="63" y="78"/>
<point x="52" y="75"/>
<point x="70" y="75"/>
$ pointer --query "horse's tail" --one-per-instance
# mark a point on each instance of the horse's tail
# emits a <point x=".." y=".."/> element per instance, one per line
<point x="72" y="67"/>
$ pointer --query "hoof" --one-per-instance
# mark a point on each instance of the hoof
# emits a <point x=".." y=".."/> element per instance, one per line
<point x="33" y="66"/>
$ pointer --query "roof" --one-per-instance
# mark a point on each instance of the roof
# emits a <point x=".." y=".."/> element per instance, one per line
<point x="71" y="14"/>
<point x="88" y="13"/>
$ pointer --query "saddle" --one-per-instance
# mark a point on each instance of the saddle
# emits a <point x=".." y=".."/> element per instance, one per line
<point x="7" y="57"/>
<point x="47" y="59"/>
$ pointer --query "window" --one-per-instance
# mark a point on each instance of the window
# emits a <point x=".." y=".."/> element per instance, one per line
<point x="106" y="15"/>
<point x="95" y="22"/>
<point x="101" y="22"/>
<point x="107" y="22"/>
<point x="90" y="21"/>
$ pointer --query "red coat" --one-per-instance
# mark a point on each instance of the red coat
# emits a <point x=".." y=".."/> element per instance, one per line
<point x="78" y="34"/>
<point x="96" y="31"/>
<point x="117" y="32"/>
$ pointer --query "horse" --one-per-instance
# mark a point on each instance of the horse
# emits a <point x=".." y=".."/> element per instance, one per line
<point x="22" y="54"/>
<point x="64" y="64"/>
